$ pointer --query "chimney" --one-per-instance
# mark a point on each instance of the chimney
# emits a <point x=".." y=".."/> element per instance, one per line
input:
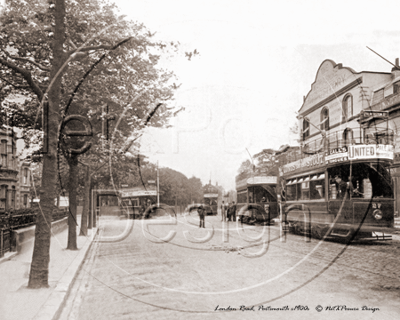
<point x="396" y="70"/>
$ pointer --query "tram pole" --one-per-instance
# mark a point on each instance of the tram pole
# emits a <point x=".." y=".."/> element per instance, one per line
<point x="158" y="187"/>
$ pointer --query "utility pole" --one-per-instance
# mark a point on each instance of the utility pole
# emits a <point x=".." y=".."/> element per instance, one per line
<point x="158" y="187"/>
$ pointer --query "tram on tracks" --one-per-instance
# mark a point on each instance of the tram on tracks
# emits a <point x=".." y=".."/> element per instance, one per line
<point x="340" y="184"/>
<point x="136" y="200"/>
<point x="257" y="198"/>
<point x="211" y="198"/>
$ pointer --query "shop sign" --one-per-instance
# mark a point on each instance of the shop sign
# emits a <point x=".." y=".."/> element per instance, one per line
<point x="370" y="152"/>
<point x="306" y="163"/>
<point x="337" y="155"/>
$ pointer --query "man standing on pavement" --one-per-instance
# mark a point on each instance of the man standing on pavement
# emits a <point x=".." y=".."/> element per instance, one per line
<point x="201" y="212"/>
<point x="223" y="211"/>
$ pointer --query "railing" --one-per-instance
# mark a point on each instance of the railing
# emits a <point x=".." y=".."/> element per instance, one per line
<point x="5" y="241"/>
<point x="18" y="219"/>
<point x="339" y="139"/>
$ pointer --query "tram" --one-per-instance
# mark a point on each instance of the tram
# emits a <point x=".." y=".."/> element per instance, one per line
<point x="135" y="200"/>
<point x="340" y="184"/>
<point x="257" y="197"/>
<point x="210" y="198"/>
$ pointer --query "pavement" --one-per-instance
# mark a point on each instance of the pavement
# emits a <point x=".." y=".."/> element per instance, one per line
<point x="19" y="302"/>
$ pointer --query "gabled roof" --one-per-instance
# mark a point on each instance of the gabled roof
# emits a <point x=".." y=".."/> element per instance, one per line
<point x="330" y="79"/>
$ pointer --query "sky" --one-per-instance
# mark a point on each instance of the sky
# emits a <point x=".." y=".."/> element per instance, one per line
<point x="257" y="60"/>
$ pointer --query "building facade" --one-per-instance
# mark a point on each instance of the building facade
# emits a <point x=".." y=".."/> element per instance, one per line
<point x="334" y="108"/>
<point x="15" y="177"/>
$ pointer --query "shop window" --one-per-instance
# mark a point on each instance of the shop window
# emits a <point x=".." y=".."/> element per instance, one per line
<point x="306" y="129"/>
<point x="347" y="107"/>
<point x="325" y="119"/>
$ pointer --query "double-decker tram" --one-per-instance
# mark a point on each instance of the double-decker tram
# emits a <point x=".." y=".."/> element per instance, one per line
<point x="257" y="197"/>
<point x="210" y="199"/>
<point x="340" y="185"/>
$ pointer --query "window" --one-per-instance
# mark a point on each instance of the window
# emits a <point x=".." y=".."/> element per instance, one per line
<point x="366" y="181"/>
<point x="347" y="107"/>
<point x="325" y="119"/>
<point x="291" y="190"/>
<point x="25" y="177"/>
<point x="11" y="198"/>
<point x="317" y="187"/>
<point x="3" y="153"/>
<point x="396" y="87"/>
<point x="3" y="197"/>
<point x="25" y="200"/>
<point x="348" y="136"/>
<point x="242" y="197"/>
<point x="306" y="129"/>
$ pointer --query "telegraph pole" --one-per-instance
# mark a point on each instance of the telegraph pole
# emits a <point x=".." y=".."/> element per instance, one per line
<point x="158" y="187"/>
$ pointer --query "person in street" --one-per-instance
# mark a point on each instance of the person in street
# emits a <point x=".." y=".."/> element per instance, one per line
<point x="223" y="217"/>
<point x="341" y="187"/>
<point x="228" y="212"/>
<point x="202" y="214"/>
<point x="233" y="211"/>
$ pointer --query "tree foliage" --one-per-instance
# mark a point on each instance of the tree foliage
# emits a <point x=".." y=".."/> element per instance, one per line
<point x="78" y="56"/>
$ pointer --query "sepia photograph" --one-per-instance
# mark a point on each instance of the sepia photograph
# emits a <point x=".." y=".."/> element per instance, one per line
<point x="181" y="159"/>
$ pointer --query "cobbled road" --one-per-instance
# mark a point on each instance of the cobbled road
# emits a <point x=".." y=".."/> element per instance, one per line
<point x="208" y="273"/>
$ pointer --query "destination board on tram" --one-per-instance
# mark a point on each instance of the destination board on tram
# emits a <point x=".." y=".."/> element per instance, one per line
<point x="211" y="195"/>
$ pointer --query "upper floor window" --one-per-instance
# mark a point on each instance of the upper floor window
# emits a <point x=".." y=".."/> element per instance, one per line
<point x="3" y="153"/>
<point x="25" y="200"/>
<point x="348" y="136"/>
<point x="25" y="177"/>
<point x="325" y="119"/>
<point x="306" y="129"/>
<point x="347" y="108"/>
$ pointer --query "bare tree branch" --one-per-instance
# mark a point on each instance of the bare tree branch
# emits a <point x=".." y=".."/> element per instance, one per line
<point x="94" y="48"/>
<point x="15" y="86"/>
<point x="33" y="62"/>
<point x="26" y="75"/>
<point x="27" y="60"/>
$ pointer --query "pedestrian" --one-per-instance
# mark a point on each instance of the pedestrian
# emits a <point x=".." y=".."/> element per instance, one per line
<point x="223" y="211"/>
<point x="201" y="212"/>
<point x="229" y="212"/>
<point x="233" y="211"/>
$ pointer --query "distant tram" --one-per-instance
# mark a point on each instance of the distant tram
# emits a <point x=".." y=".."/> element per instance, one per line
<point x="340" y="185"/>
<point x="210" y="198"/>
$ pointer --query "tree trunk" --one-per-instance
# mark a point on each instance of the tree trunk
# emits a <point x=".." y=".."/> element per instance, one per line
<point x="72" y="191"/>
<point x="38" y="276"/>
<point x="86" y="200"/>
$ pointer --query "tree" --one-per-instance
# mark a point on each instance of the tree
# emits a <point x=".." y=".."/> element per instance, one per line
<point x="195" y="190"/>
<point x="51" y="50"/>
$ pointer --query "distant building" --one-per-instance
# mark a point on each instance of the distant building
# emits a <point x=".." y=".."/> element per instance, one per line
<point x="15" y="180"/>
